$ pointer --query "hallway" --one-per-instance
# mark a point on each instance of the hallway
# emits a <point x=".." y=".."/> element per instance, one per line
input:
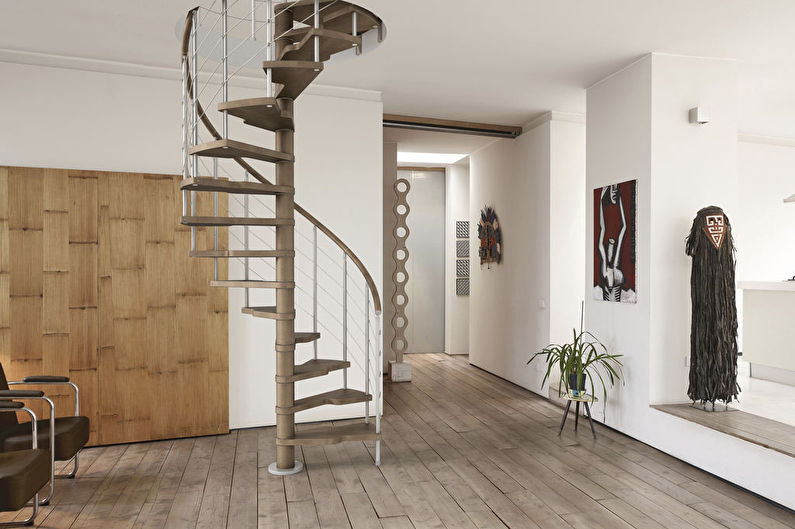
<point x="462" y="449"/>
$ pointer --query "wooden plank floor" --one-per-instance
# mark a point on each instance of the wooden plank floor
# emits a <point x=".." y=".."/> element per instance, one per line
<point x="462" y="450"/>
<point x="765" y="432"/>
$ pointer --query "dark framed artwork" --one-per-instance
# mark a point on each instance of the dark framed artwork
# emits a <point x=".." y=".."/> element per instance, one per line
<point x="615" y="233"/>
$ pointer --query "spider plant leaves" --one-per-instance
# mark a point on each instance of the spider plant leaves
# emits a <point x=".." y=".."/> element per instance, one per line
<point x="585" y="355"/>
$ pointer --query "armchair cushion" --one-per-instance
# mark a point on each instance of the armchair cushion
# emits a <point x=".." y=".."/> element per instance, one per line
<point x="71" y="434"/>
<point x="22" y="474"/>
<point x="44" y="378"/>
<point x="20" y="393"/>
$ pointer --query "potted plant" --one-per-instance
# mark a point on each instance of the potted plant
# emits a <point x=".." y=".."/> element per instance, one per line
<point x="581" y="362"/>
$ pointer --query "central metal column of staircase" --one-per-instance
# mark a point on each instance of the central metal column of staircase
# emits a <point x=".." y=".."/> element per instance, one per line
<point x="300" y="36"/>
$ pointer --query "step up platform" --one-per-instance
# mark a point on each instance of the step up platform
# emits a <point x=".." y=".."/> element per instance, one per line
<point x="331" y="42"/>
<point x="294" y="76"/>
<point x="313" y="369"/>
<point x="268" y="312"/>
<point x="205" y="183"/>
<point x="252" y="284"/>
<point x="262" y="112"/>
<point x="238" y="149"/>
<point x="329" y="435"/>
<point x="337" y="397"/>
<point x="235" y="221"/>
<point x="231" y="254"/>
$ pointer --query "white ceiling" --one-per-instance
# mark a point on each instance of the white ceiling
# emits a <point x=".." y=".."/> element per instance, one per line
<point x="503" y="61"/>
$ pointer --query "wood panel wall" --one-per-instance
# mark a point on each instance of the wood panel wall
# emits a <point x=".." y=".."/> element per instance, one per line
<point x="96" y="284"/>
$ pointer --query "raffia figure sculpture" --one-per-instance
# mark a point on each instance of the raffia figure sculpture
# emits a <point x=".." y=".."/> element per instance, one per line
<point x="713" y="332"/>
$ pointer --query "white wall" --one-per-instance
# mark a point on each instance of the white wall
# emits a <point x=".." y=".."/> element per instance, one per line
<point x="566" y="218"/>
<point x="425" y="266"/>
<point x="456" y="314"/>
<point x="117" y="122"/>
<point x="389" y="200"/>
<point x="532" y="298"/>
<point x="637" y="128"/>
<point x="506" y="321"/>
<point x="763" y="223"/>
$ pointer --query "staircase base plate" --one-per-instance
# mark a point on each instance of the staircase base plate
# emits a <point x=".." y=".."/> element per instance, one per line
<point x="276" y="471"/>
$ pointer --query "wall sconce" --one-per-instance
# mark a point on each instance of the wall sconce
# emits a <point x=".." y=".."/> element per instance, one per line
<point x="698" y="116"/>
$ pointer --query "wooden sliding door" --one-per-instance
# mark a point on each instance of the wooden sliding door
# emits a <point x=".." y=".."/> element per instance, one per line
<point x="96" y="284"/>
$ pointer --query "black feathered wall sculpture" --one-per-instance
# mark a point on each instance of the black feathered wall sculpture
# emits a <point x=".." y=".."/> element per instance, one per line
<point x="713" y="331"/>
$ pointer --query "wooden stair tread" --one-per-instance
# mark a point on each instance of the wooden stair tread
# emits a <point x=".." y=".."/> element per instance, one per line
<point x="313" y="369"/>
<point x="331" y="16"/>
<point x="262" y="112"/>
<point x="336" y="397"/>
<point x="237" y="149"/>
<point x="204" y="183"/>
<point x="332" y="434"/>
<point x="235" y="221"/>
<point x="306" y="337"/>
<point x="223" y="254"/>
<point x="268" y="312"/>
<point x="242" y="283"/>
<point x="339" y="18"/>
<point x="294" y="76"/>
<point x="331" y="42"/>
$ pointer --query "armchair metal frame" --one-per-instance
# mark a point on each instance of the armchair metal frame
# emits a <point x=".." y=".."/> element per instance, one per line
<point x="37" y="381"/>
<point x="35" y="445"/>
<point x="37" y="395"/>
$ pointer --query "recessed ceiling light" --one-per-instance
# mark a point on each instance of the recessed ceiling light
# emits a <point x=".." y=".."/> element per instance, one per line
<point x="428" y="157"/>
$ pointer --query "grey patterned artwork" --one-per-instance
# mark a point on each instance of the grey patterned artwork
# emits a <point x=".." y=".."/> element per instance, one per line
<point x="462" y="229"/>
<point x="462" y="286"/>
<point x="462" y="267"/>
<point x="462" y="248"/>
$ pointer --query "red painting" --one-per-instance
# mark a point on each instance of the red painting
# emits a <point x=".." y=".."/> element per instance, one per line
<point x="614" y="267"/>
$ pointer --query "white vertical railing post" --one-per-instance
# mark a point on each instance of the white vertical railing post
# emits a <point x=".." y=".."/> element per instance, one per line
<point x="317" y="26"/>
<point x="224" y="117"/>
<point x="194" y="118"/>
<point x="245" y="239"/>
<point x="224" y="70"/>
<point x="185" y="128"/>
<point x="345" y="318"/>
<point x="355" y="30"/>
<point x="314" y="287"/>
<point x="379" y="387"/>
<point x="366" y="352"/>
<point x="270" y="48"/>
<point x="253" y="19"/>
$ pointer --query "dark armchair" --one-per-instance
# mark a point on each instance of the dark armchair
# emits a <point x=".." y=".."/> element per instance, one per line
<point x="23" y="472"/>
<point x="64" y="436"/>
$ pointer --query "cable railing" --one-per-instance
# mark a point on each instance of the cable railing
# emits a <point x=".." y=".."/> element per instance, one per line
<point x="354" y="322"/>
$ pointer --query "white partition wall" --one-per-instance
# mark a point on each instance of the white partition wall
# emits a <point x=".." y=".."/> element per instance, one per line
<point x="638" y="129"/>
<point x="535" y="183"/>
<point x="456" y="313"/>
<point x="425" y="265"/>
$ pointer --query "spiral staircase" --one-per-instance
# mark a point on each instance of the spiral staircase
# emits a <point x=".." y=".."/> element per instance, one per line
<point x="300" y="37"/>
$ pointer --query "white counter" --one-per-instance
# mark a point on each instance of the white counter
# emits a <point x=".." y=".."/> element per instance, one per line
<point x="788" y="286"/>
<point x="768" y="344"/>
